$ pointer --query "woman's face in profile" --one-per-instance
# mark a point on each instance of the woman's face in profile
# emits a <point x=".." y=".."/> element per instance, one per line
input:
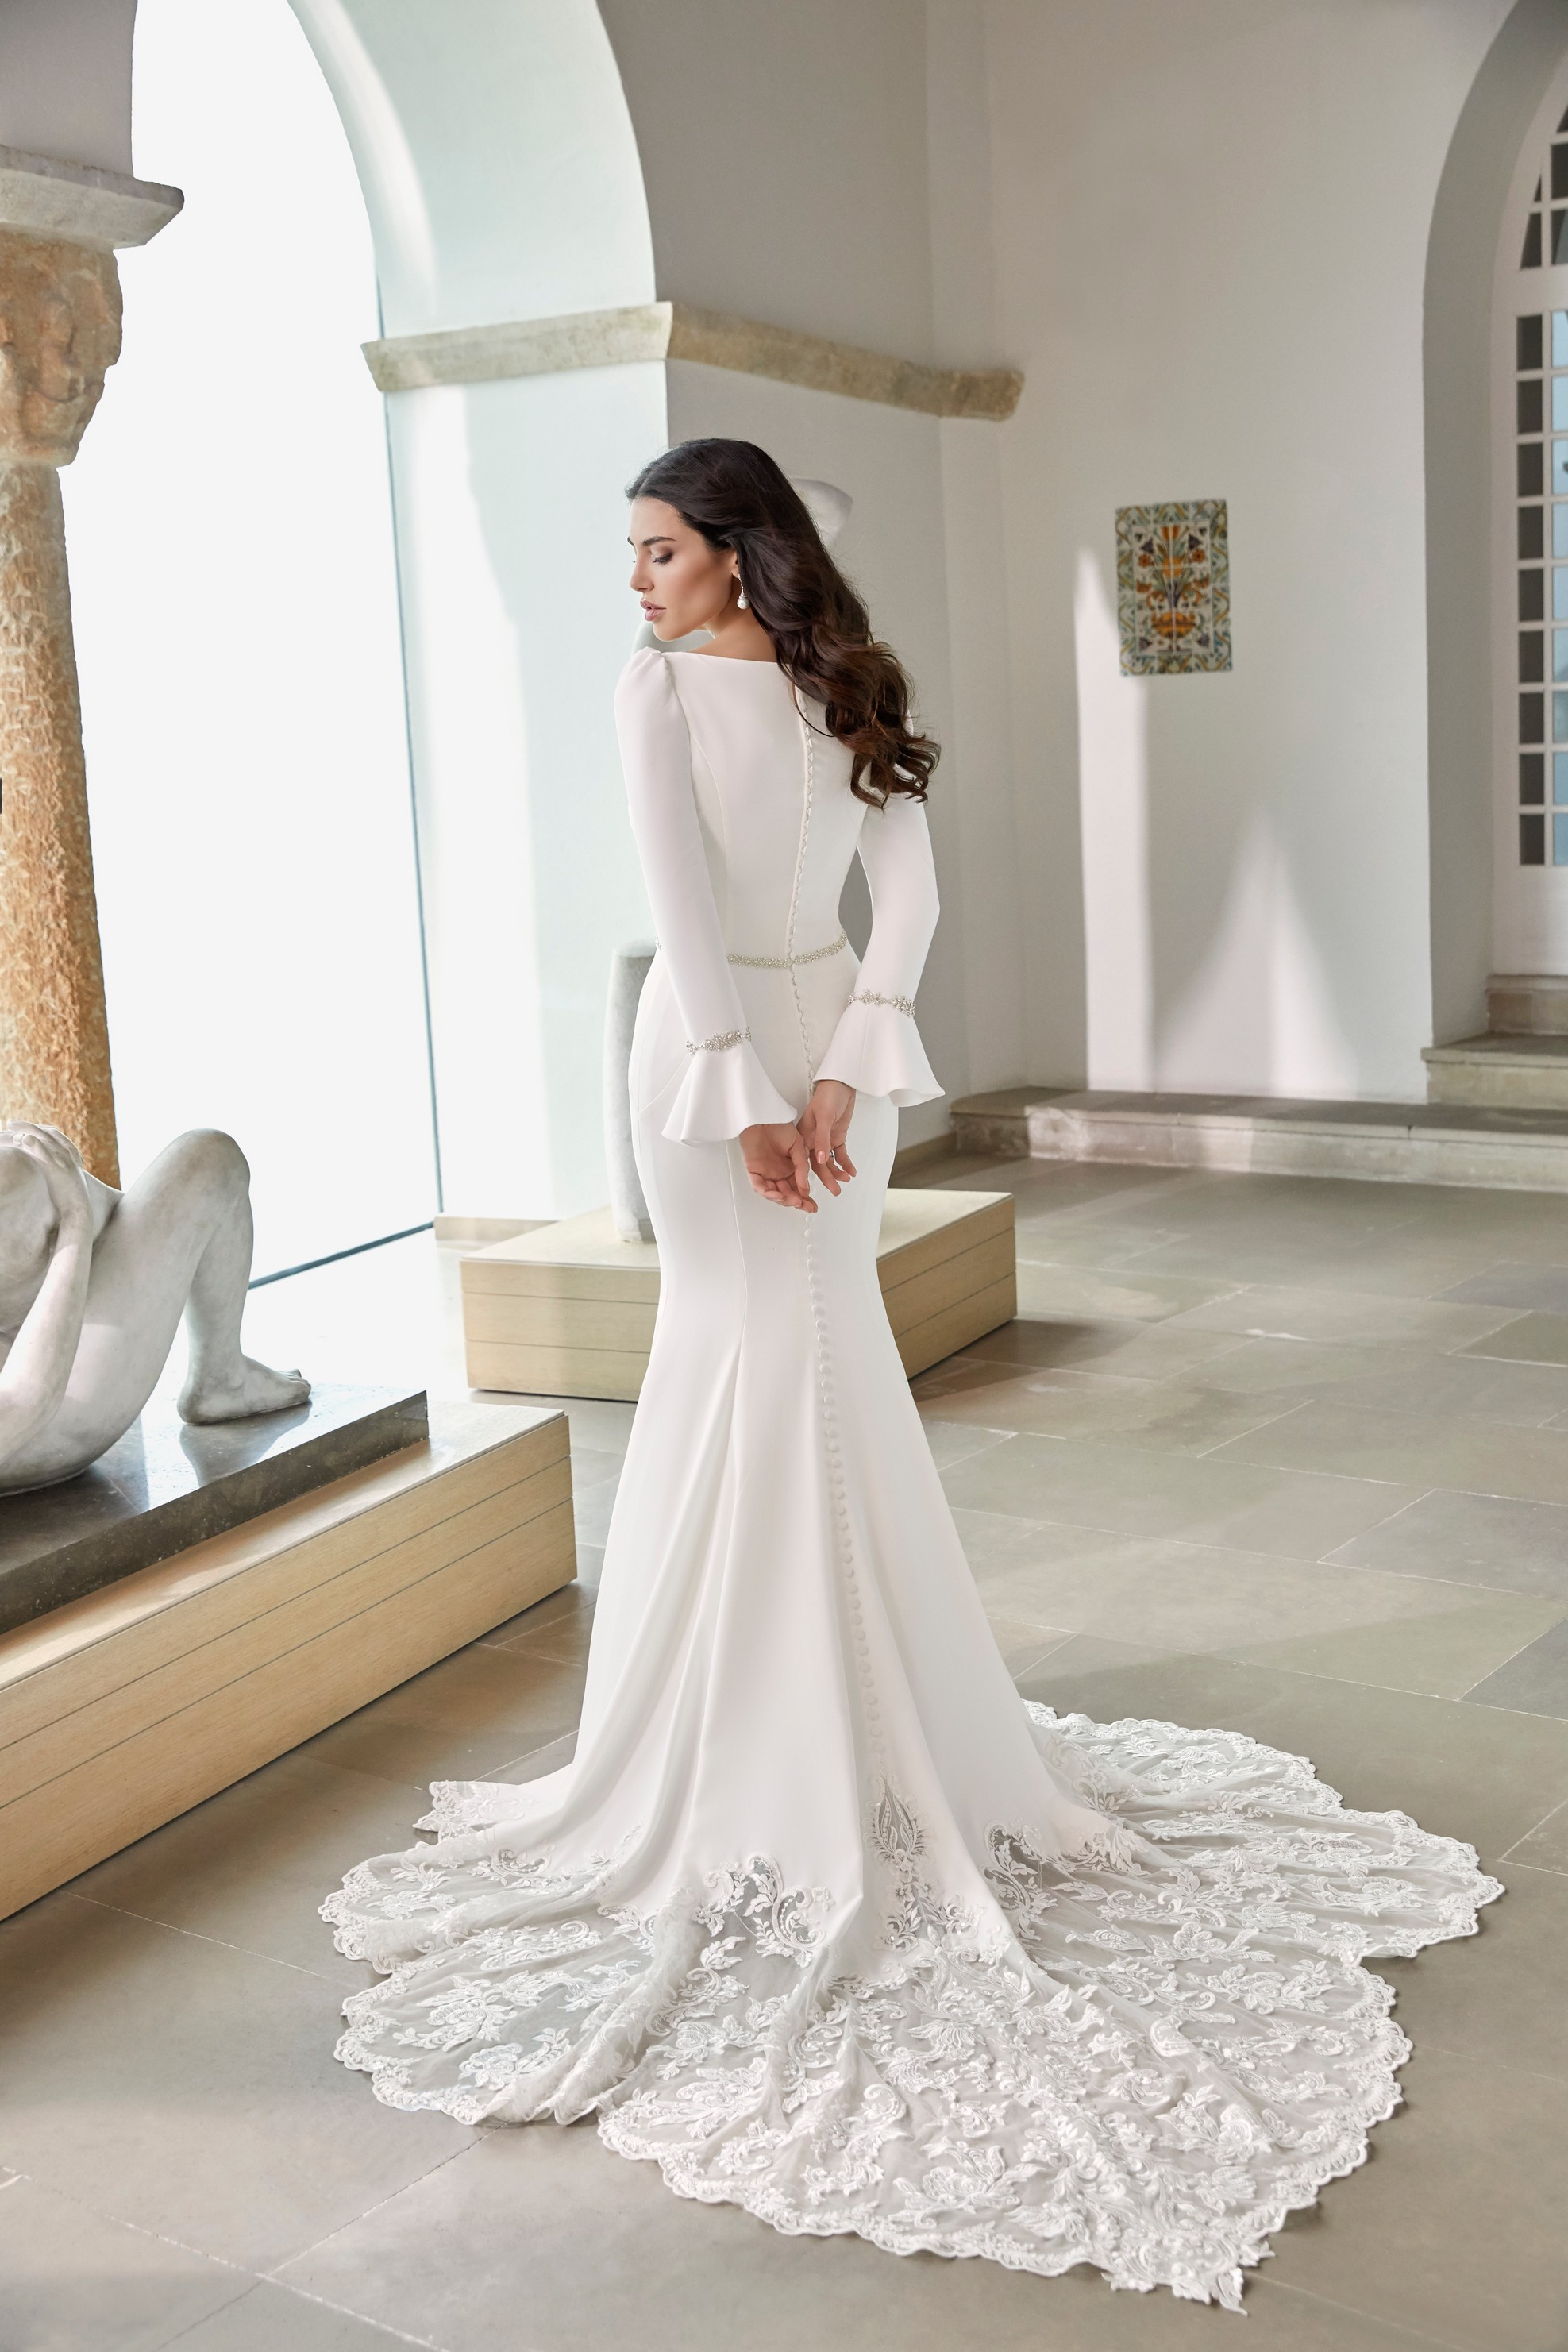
<point x="682" y="582"/>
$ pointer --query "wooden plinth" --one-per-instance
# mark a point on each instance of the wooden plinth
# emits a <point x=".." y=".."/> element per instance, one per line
<point x="568" y="1310"/>
<point x="123" y="1708"/>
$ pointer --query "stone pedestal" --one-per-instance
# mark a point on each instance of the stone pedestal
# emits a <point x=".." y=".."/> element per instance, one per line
<point x="60" y="332"/>
<point x="122" y="1708"/>
<point x="568" y="1309"/>
<point x="167" y="1486"/>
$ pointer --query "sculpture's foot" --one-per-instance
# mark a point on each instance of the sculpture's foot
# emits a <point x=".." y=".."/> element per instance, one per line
<point x="253" y="1387"/>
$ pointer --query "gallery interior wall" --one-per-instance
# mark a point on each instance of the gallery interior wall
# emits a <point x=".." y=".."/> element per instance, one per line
<point x="503" y="182"/>
<point x="1206" y="233"/>
<point x="1211" y="224"/>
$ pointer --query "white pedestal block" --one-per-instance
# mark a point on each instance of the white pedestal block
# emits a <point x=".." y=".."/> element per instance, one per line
<point x="568" y="1309"/>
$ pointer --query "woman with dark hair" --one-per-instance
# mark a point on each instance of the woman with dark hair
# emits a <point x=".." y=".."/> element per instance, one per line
<point x="823" y="1917"/>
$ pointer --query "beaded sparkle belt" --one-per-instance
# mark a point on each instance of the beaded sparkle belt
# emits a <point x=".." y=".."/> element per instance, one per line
<point x="785" y="963"/>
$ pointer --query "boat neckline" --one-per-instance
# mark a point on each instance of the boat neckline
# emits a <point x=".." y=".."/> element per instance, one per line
<point x="718" y="661"/>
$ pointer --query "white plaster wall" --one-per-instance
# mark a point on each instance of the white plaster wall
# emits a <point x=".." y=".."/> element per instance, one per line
<point x="1210" y="233"/>
<point x="805" y="170"/>
<point x="519" y="619"/>
<point x="503" y="182"/>
<point x="979" y="778"/>
<point x="65" y="79"/>
<point x="784" y="155"/>
<point x="495" y="154"/>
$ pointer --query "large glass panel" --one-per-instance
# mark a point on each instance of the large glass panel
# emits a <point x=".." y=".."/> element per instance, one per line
<point x="1531" y="608"/>
<point x="236" y="610"/>
<point x="1533" y="658"/>
<point x="1559" y="530"/>
<point x="1533" y="718"/>
<point x="1559" y="339"/>
<point x="1530" y="257"/>
<point x="1529" y="474"/>
<point x="1559" y="777"/>
<point x="1530" y="545"/>
<point x="1528" y="412"/>
<point x="1532" y="776"/>
<point x="1527" y="340"/>
<point x="1558" y="404"/>
<point x="1560" y="839"/>
<point x="1559" y="469"/>
<point x="1532" y="840"/>
<point x="1559" y="653"/>
<point x="1559" y="593"/>
<point x="1559" y="173"/>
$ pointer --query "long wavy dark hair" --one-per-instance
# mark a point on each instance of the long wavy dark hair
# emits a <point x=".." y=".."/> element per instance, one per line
<point x="737" y="498"/>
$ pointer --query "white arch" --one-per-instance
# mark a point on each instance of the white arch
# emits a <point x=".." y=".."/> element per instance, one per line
<point x="1466" y="217"/>
<point x="502" y="178"/>
<point x="497" y="155"/>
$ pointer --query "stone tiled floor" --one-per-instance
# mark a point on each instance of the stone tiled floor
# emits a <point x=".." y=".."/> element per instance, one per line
<point x="1291" y="1456"/>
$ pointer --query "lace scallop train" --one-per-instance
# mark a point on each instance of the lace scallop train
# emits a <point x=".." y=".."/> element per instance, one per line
<point x="1041" y="1990"/>
<point x="1142" y="2058"/>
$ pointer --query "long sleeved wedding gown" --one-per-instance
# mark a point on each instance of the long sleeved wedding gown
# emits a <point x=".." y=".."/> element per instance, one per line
<point x="823" y="1917"/>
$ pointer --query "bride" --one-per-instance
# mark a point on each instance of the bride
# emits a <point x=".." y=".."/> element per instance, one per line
<point x="823" y="1918"/>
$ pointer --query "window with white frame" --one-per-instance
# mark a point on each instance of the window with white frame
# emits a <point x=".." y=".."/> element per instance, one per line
<point x="1541" y="489"/>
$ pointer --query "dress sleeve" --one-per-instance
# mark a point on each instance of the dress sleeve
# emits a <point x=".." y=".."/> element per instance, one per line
<point x="877" y="1047"/>
<point x="725" y="1088"/>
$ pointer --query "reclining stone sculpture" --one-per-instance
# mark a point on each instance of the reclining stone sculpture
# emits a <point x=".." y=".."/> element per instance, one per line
<point x="92" y="1286"/>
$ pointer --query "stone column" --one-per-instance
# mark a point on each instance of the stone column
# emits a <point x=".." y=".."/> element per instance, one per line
<point x="59" y="331"/>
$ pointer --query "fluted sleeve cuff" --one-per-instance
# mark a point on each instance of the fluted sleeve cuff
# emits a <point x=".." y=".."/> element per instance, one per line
<point x="725" y="1089"/>
<point x="876" y="1049"/>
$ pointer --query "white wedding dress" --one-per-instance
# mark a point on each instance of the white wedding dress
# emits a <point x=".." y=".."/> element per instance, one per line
<point x="823" y="1918"/>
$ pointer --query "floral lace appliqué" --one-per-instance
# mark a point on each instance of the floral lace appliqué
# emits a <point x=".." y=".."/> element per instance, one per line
<point x="1141" y="2056"/>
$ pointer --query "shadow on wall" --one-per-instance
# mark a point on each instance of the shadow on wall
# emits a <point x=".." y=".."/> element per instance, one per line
<point x="1201" y="973"/>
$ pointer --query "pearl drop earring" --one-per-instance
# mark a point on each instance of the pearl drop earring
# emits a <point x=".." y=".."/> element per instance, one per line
<point x="740" y="604"/>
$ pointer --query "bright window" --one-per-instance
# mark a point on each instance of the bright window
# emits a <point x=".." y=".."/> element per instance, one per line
<point x="230" y="535"/>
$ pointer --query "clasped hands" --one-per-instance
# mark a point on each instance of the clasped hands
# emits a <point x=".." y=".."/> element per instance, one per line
<point x="782" y="1160"/>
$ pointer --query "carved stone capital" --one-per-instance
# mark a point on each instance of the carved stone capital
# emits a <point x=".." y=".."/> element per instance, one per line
<point x="60" y="332"/>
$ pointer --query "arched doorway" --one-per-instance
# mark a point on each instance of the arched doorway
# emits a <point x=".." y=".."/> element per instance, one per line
<point x="1530" y="505"/>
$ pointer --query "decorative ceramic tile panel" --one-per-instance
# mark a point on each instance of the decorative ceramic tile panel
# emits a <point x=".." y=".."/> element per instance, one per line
<point x="1173" y="587"/>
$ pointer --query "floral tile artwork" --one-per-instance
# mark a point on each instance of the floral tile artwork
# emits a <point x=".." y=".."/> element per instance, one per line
<point x="1173" y="587"/>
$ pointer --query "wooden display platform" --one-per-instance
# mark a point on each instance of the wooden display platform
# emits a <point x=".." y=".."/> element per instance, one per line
<point x="568" y="1310"/>
<point x="123" y="1708"/>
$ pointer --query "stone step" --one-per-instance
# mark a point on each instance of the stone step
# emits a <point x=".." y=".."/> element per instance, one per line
<point x="1523" y="1003"/>
<point x="1395" y="1143"/>
<point x="1500" y="1073"/>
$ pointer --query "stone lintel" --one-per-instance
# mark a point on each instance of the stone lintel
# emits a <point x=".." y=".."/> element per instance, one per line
<point x="81" y="203"/>
<point x="680" y="330"/>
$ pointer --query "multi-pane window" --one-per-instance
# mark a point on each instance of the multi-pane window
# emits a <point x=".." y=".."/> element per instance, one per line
<point x="1541" y="489"/>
